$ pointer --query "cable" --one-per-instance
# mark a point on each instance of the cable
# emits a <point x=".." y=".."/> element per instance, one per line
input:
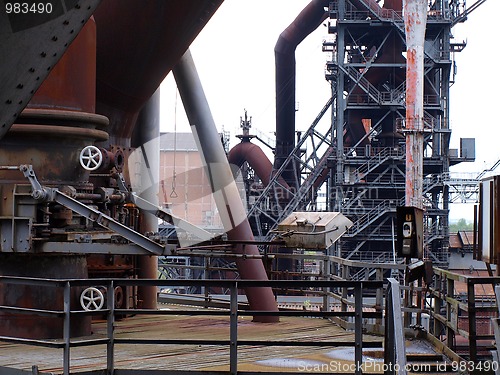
<point x="173" y="194"/>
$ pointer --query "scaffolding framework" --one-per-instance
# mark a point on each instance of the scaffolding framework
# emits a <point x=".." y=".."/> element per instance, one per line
<point x="367" y="67"/>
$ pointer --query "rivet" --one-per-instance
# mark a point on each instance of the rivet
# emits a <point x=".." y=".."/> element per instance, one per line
<point x="43" y="54"/>
<point x="54" y="38"/>
<point x="20" y="86"/>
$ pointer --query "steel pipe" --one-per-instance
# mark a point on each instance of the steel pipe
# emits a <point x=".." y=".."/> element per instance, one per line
<point x="415" y="16"/>
<point x="305" y="23"/>
<point x="222" y="183"/>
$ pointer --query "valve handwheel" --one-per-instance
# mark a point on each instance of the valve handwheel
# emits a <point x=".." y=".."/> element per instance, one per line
<point x="91" y="158"/>
<point x="92" y="299"/>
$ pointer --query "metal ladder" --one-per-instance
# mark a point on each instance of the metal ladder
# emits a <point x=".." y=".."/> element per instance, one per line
<point x="311" y="164"/>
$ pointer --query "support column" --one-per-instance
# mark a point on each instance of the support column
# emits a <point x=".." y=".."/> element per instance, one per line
<point x="415" y="16"/>
<point x="225" y="191"/>
<point x="147" y="139"/>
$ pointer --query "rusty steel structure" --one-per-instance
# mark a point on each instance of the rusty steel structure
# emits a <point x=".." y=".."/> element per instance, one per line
<point x="79" y="161"/>
<point x="388" y="140"/>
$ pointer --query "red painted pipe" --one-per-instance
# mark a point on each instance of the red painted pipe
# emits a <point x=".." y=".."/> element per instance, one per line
<point x="253" y="154"/>
<point x="305" y="23"/>
<point x="222" y="183"/>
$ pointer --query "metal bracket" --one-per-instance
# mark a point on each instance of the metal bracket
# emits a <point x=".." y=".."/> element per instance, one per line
<point x="200" y="234"/>
<point x="39" y="193"/>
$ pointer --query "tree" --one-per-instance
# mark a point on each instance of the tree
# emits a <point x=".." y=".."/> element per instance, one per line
<point x="461" y="225"/>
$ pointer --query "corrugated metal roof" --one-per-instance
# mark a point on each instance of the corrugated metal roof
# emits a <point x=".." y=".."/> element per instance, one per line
<point x="467" y="237"/>
<point x="455" y="242"/>
<point x="177" y="141"/>
<point x="462" y="240"/>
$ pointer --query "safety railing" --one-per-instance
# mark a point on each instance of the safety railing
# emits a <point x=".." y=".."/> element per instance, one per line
<point x="112" y="340"/>
<point x="461" y="309"/>
<point x="395" y="352"/>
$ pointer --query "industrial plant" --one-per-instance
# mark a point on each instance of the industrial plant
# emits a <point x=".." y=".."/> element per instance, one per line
<point x="125" y="250"/>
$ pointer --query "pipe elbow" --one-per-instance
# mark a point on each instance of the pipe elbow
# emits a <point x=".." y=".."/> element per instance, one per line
<point x="255" y="157"/>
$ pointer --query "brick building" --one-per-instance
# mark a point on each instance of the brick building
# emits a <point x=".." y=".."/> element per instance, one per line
<point x="188" y="194"/>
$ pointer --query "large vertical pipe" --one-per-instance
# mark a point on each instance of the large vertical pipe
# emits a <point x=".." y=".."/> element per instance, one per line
<point x="225" y="191"/>
<point x="284" y="52"/>
<point x="415" y="16"/>
<point x="146" y="136"/>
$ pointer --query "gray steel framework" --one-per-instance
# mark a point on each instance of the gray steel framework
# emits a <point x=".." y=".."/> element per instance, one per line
<point x="360" y="159"/>
<point x="368" y="166"/>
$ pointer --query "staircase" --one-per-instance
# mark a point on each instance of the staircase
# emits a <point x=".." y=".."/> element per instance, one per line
<point x="374" y="162"/>
<point x="308" y="161"/>
<point x="370" y="217"/>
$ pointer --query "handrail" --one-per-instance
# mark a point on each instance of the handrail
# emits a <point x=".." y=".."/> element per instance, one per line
<point x="111" y="340"/>
<point x="394" y="334"/>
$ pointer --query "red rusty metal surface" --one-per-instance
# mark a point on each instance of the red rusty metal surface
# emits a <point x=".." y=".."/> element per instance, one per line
<point x="138" y="44"/>
<point x="71" y="84"/>
<point x="40" y="297"/>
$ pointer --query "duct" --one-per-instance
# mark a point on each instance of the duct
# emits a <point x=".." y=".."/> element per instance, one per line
<point x="305" y="23"/>
<point x="222" y="183"/>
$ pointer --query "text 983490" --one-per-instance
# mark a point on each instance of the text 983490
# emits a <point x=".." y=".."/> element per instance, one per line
<point x="28" y="8"/>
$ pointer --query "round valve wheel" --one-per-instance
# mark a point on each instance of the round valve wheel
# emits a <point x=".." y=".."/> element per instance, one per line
<point x="92" y="299"/>
<point x="91" y="158"/>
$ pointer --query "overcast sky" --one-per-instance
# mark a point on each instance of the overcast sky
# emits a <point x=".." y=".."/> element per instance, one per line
<point x="234" y="55"/>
